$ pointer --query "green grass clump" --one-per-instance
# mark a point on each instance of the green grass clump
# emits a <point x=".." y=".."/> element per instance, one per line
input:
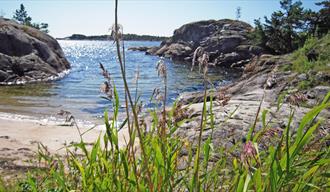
<point x="300" y="62"/>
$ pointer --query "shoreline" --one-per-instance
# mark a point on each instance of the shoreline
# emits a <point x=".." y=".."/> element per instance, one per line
<point x="20" y="136"/>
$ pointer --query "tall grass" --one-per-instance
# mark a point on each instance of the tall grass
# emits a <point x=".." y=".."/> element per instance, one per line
<point x="156" y="159"/>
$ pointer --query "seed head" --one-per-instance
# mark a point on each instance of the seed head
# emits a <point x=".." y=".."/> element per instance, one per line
<point x="105" y="73"/>
<point x="197" y="53"/>
<point x="203" y="63"/>
<point x="203" y="60"/>
<point x="106" y="88"/>
<point x="161" y="68"/>
<point x="117" y="32"/>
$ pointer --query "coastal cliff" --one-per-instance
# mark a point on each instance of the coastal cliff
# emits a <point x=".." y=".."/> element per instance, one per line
<point x="28" y="55"/>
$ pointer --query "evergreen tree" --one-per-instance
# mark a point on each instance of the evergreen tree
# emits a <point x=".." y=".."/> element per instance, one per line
<point x="259" y="35"/>
<point x="322" y="19"/>
<point x="22" y="17"/>
<point x="286" y="29"/>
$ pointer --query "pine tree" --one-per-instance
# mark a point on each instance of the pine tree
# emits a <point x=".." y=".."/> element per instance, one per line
<point x="322" y="19"/>
<point x="22" y="17"/>
<point x="286" y="29"/>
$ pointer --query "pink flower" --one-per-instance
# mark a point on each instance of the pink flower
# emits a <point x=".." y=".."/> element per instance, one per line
<point x="249" y="152"/>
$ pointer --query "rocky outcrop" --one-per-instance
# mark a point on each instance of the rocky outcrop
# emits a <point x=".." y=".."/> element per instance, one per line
<point x="28" y="55"/>
<point x="236" y="106"/>
<point x="226" y="41"/>
<point x="138" y="48"/>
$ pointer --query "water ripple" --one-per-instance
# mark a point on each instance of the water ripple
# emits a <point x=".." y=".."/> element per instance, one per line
<point x="79" y="91"/>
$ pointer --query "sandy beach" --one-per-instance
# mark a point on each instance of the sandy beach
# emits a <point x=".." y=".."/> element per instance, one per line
<point x="20" y="136"/>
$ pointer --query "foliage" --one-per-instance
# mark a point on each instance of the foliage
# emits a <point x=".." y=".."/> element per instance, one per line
<point x="322" y="19"/>
<point x="23" y="18"/>
<point x="287" y="29"/>
<point x="320" y="48"/>
<point x="42" y="27"/>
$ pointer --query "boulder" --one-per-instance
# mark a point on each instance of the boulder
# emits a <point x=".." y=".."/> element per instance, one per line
<point x="226" y="41"/>
<point x="138" y="48"/>
<point x="151" y="50"/>
<point x="28" y="55"/>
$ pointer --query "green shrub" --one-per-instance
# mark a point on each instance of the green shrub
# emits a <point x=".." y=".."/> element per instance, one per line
<point x="300" y="62"/>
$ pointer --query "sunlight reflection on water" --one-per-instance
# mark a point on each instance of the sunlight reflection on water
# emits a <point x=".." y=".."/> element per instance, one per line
<point x="79" y="92"/>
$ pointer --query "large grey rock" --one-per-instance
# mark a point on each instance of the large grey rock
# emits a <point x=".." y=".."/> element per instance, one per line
<point x="28" y="55"/>
<point x="226" y="41"/>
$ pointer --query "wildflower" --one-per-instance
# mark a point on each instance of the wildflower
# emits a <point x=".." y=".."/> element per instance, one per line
<point x="248" y="153"/>
<point x="249" y="150"/>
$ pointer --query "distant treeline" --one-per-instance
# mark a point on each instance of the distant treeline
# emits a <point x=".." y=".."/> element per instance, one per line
<point x="128" y="37"/>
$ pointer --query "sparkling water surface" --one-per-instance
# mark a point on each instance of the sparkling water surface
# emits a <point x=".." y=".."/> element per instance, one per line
<point x="79" y="91"/>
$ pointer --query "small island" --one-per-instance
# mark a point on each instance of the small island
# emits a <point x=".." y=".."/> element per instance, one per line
<point x="126" y="37"/>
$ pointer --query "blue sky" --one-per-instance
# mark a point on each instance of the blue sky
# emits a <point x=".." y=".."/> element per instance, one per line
<point x="153" y="17"/>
